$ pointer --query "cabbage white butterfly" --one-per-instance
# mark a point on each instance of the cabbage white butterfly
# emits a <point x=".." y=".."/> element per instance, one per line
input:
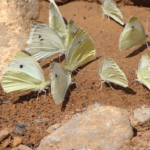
<point x="80" y="51"/>
<point x="132" y="35"/>
<point x="44" y="42"/>
<point x="110" y="72"/>
<point x="60" y="81"/>
<point x="143" y="72"/>
<point x="56" y="20"/>
<point x="23" y="74"/>
<point x="110" y="9"/>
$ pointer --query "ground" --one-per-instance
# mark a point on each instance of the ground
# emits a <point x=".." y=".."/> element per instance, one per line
<point x="39" y="114"/>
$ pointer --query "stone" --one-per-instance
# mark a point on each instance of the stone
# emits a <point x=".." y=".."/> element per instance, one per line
<point x="16" y="141"/>
<point x="53" y="127"/>
<point x="19" y="131"/>
<point x="3" y="135"/>
<point x="103" y="127"/>
<point x="142" y="114"/>
<point x="23" y="147"/>
<point x="16" y="19"/>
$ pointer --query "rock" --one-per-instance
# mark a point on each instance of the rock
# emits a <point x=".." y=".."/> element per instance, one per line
<point x="103" y="127"/>
<point x="142" y="114"/>
<point x="23" y="147"/>
<point x="3" y="135"/>
<point x="16" y="19"/>
<point x="53" y="127"/>
<point x="19" y="131"/>
<point x="16" y="141"/>
<point x="5" y="143"/>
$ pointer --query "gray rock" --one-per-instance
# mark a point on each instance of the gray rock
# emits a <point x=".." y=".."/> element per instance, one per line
<point x="142" y="114"/>
<point x="104" y="127"/>
<point x="3" y="135"/>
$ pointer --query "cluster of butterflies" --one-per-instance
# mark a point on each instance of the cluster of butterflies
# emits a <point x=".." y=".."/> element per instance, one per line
<point x="25" y="74"/>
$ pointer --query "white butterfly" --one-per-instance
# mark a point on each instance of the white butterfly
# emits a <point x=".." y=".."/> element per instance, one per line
<point x="56" y="20"/>
<point x="60" y="81"/>
<point x="132" y="35"/>
<point x="110" y="9"/>
<point x="143" y="72"/>
<point x="81" y="50"/>
<point x="23" y="74"/>
<point x="44" y="42"/>
<point x="110" y="72"/>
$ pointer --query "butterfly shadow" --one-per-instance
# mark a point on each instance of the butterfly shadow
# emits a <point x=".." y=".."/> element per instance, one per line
<point x="138" y="50"/>
<point x="58" y="60"/>
<point x="29" y="96"/>
<point x="127" y="90"/>
<point x="67" y="97"/>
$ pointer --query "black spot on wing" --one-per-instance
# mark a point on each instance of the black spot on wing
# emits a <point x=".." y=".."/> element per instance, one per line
<point x="21" y="66"/>
<point x="132" y="27"/>
<point x="40" y="36"/>
<point x="56" y="75"/>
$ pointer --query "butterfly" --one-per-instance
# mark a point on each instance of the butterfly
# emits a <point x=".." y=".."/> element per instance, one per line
<point x="56" y="20"/>
<point x="81" y="50"/>
<point x="110" y="72"/>
<point x="143" y="72"/>
<point x="110" y="9"/>
<point x="60" y="81"/>
<point x="132" y="35"/>
<point x="23" y="74"/>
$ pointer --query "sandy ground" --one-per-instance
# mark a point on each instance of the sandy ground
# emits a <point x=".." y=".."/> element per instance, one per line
<point x="39" y="114"/>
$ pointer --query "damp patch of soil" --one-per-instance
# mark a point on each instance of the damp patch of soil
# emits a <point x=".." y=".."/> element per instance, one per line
<point x="39" y="114"/>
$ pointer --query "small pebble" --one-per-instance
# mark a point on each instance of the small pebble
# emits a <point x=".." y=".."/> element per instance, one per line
<point x="21" y="125"/>
<point x="19" y="131"/>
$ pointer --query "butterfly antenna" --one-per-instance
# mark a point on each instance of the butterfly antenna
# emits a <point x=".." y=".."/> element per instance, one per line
<point x="73" y="16"/>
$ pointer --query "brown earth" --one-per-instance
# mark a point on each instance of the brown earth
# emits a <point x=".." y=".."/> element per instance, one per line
<point x="39" y="114"/>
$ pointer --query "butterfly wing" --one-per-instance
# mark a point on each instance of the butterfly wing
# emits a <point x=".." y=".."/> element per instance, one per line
<point x="60" y="81"/>
<point x="110" y="72"/>
<point x="132" y="35"/>
<point x="71" y="30"/>
<point x="56" y="20"/>
<point x="144" y="76"/>
<point x="44" y="42"/>
<point x="80" y="51"/>
<point x="23" y="74"/>
<point x="110" y="9"/>
<point x="144" y="62"/>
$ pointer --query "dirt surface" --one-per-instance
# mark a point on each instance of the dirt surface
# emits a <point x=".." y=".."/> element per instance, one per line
<point x="39" y="114"/>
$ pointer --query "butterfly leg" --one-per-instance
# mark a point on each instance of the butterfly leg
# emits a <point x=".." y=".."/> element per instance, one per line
<point x="102" y="16"/>
<point x="101" y="85"/>
<point x="147" y="46"/>
<point x="110" y="86"/>
<point x="44" y="95"/>
<point x="38" y="96"/>
<point x="108" y="19"/>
